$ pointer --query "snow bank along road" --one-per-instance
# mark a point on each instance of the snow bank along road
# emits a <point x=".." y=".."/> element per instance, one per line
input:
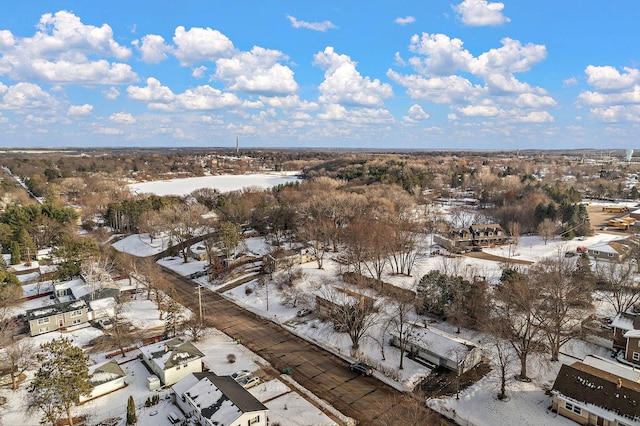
<point x="364" y="399"/>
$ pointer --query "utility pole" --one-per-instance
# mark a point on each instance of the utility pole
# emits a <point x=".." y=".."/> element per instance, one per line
<point x="200" y="303"/>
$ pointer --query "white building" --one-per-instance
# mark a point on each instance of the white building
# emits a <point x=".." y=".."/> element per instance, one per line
<point x="105" y="378"/>
<point x="171" y="360"/>
<point x="218" y="400"/>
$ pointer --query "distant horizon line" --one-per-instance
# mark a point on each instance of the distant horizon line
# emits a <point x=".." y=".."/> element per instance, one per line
<point x="4" y="149"/>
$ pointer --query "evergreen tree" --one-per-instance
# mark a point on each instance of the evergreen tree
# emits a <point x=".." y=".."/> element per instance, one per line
<point x="173" y="315"/>
<point x="62" y="378"/>
<point x="15" y="253"/>
<point x="131" y="412"/>
<point x="28" y="248"/>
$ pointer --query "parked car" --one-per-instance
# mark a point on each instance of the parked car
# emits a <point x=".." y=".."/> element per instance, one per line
<point x="105" y="323"/>
<point x="240" y="374"/>
<point x="361" y="368"/>
<point x="249" y="381"/>
<point x="304" y="312"/>
<point x="175" y="417"/>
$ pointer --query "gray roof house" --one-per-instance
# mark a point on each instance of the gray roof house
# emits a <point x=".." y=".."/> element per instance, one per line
<point x="173" y="359"/>
<point x="218" y="400"/>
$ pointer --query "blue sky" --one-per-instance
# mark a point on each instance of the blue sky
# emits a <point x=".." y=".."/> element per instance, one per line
<point x="463" y="74"/>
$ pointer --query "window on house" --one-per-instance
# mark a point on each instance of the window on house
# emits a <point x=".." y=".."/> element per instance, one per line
<point x="573" y="408"/>
<point x="44" y="329"/>
<point x="76" y="313"/>
<point x="43" y="321"/>
<point x="636" y="356"/>
<point x="610" y="254"/>
<point x="76" y="321"/>
<point x="254" y="420"/>
<point x="596" y="252"/>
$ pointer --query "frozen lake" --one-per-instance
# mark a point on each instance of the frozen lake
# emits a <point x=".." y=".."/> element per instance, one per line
<point x="223" y="183"/>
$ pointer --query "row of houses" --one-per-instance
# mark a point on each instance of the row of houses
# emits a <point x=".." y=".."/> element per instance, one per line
<point x="206" y="398"/>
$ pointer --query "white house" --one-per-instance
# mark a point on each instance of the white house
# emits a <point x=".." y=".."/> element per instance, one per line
<point x="218" y="400"/>
<point x="438" y="348"/>
<point x="105" y="378"/>
<point x="172" y="360"/>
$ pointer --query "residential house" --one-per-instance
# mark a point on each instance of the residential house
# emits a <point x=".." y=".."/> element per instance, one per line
<point x="473" y="236"/>
<point x="621" y="324"/>
<point x="439" y="349"/>
<point x="614" y="250"/>
<point x="57" y="316"/>
<point x="218" y="400"/>
<point x="283" y="258"/>
<point x="105" y="378"/>
<point x="597" y="391"/>
<point x="172" y="360"/>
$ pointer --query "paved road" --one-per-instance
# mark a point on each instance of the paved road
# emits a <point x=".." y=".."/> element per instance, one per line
<point x="365" y="399"/>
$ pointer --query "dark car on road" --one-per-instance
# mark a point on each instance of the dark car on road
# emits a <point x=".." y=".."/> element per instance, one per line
<point x="361" y="368"/>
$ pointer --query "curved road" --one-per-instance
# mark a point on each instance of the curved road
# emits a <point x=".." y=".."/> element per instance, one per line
<point x="365" y="399"/>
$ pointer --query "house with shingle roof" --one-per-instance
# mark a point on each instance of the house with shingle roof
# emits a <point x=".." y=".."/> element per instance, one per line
<point x="57" y="316"/>
<point x="473" y="236"/>
<point x="218" y="400"/>
<point x="105" y="378"/>
<point x="173" y="359"/>
<point x="614" y="250"/>
<point x="597" y="391"/>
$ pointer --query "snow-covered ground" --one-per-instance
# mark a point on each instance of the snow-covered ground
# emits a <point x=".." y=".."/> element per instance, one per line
<point x="223" y="183"/>
<point x="282" y="400"/>
<point x="527" y="404"/>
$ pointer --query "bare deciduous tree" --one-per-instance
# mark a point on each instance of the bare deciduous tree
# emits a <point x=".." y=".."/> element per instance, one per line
<point x="547" y="229"/>
<point x="617" y="284"/>
<point x="351" y="313"/>
<point x="184" y="221"/>
<point x="18" y="358"/>
<point x="399" y="324"/>
<point x="564" y="300"/>
<point x="517" y="316"/>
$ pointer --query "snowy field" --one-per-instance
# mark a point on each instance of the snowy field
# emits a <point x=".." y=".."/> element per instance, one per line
<point x="223" y="183"/>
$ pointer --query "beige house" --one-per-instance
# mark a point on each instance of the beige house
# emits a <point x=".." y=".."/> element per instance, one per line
<point x="60" y="315"/>
<point x="171" y="360"/>
<point x="597" y="391"/>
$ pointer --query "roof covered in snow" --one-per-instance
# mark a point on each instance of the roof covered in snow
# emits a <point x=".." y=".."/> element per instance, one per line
<point x="169" y="353"/>
<point x="220" y="398"/>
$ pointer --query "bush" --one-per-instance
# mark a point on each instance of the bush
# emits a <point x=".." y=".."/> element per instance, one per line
<point x="248" y="290"/>
<point x="231" y="358"/>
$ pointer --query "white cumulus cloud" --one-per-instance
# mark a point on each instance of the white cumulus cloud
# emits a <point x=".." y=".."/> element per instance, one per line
<point x="201" y="44"/>
<point x="415" y="114"/>
<point x="122" y="118"/>
<point x="64" y="50"/>
<point x="153" y="92"/>
<point x="257" y="71"/>
<point x="343" y="84"/>
<point x="315" y="26"/>
<point x="153" y="48"/>
<point x="481" y="13"/>
<point x="80" y="110"/>
<point x="404" y="20"/>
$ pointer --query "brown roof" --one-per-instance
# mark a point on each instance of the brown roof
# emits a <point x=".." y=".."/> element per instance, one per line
<point x="598" y="387"/>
